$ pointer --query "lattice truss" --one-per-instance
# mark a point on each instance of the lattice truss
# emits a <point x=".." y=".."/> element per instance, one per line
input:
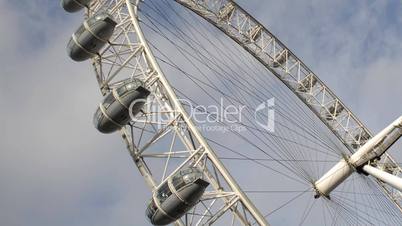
<point x="161" y="139"/>
<point x="264" y="46"/>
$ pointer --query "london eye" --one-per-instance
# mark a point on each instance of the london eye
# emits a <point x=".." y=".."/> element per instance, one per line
<point x="226" y="124"/>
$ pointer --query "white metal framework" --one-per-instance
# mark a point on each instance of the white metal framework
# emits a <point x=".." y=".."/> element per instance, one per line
<point x="128" y="55"/>
<point x="270" y="51"/>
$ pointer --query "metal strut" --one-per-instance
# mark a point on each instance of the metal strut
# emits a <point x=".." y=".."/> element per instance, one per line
<point x="240" y="26"/>
<point x="128" y="50"/>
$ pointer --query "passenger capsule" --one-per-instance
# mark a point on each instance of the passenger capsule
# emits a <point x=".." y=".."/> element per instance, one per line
<point x="73" y="6"/>
<point x="90" y="37"/>
<point x="114" y="112"/>
<point x="168" y="205"/>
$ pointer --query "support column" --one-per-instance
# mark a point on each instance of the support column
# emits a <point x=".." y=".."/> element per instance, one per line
<point x="370" y="151"/>
<point x="387" y="178"/>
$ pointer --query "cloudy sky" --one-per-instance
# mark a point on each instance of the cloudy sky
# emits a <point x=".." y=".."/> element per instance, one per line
<point x="56" y="169"/>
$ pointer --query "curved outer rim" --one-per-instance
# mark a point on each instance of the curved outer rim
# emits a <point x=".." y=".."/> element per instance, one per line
<point x="133" y="9"/>
<point x="190" y="3"/>
<point x="211" y="154"/>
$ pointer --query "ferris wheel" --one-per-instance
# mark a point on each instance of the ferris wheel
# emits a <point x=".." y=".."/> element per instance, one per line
<point x="226" y="125"/>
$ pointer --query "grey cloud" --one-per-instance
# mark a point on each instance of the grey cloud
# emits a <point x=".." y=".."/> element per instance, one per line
<point x="56" y="169"/>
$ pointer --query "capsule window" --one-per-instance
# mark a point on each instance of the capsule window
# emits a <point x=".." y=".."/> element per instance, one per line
<point x="93" y="20"/>
<point x="163" y="193"/>
<point x="98" y="116"/>
<point x="80" y="30"/>
<point x="100" y="16"/>
<point x="129" y="84"/>
<point x="186" y="171"/>
<point x="178" y="182"/>
<point x="186" y="176"/>
<point x="109" y="99"/>
<point x="189" y="178"/>
<point x="121" y="90"/>
<point x="70" y="44"/>
<point x="151" y="210"/>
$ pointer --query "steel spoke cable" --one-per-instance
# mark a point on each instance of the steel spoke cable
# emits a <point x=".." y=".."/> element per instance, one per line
<point x="286" y="203"/>
<point x="287" y="147"/>
<point x="303" y="120"/>
<point x="260" y="148"/>
<point x="233" y="55"/>
<point x="208" y="94"/>
<point x="191" y="76"/>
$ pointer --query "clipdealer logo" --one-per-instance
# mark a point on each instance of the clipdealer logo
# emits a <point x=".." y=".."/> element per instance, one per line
<point x="217" y="118"/>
